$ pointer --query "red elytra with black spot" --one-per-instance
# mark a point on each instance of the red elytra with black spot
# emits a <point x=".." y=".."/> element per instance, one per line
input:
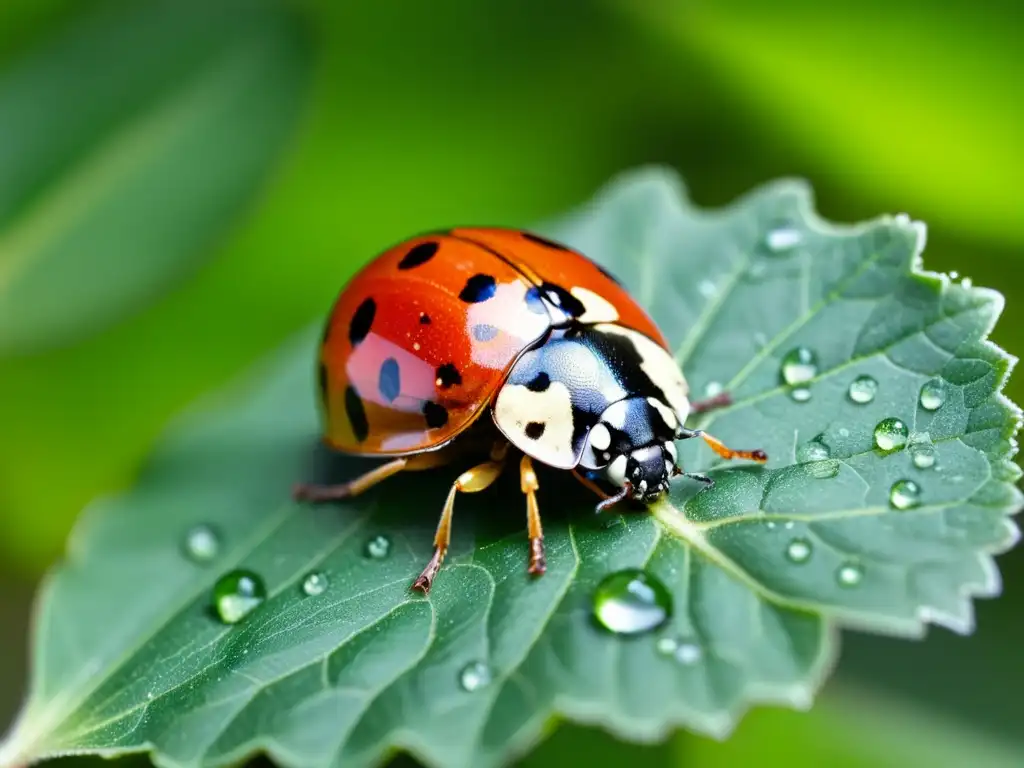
<point x="422" y="338"/>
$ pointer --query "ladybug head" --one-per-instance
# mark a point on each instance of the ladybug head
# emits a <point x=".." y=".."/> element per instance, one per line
<point x="633" y="446"/>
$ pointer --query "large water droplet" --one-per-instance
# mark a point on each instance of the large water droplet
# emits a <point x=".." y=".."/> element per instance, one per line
<point x="923" y="455"/>
<point x="799" y="551"/>
<point x="904" y="494"/>
<point x="891" y="434"/>
<point x="799" y="366"/>
<point x="863" y="390"/>
<point x="315" y="584"/>
<point x="631" y="601"/>
<point x="474" y="676"/>
<point x="849" y="575"/>
<point x="378" y="547"/>
<point x="237" y="594"/>
<point x="783" y="237"/>
<point x="933" y="394"/>
<point x="202" y="544"/>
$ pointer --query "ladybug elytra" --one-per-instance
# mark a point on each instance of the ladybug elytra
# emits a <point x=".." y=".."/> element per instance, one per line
<point x="443" y="329"/>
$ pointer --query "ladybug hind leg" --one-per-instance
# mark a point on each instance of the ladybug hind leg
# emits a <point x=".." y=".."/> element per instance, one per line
<point x="479" y="478"/>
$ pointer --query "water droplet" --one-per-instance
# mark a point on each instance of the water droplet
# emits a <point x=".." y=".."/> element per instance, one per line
<point x="474" y="676"/>
<point x="954" y="275"/>
<point x="202" y="544"/>
<point x="707" y="289"/>
<point x="688" y="653"/>
<point x="713" y="389"/>
<point x="799" y="366"/>
<point x="783" y="237"/>
<point x="612" y="522"/>
<point x="844" y="432"/>
<point x="863" y="390"/>
<point x="891" y="434"/>
<point x="378" y="547"/>
<point x="813" y="450"/>
<point x="760" y="340"/>
<point x="967" y="282"/>
<point x="771" y="525"/>
<point x="666" y="646"/>
<point x="631" y="602"/>
<point x="799" y="551"/>
<point x="789" y="525"/>
<point x="923" y="455"/>
<point x="904" y="494"/>
<point x="800" y="394"/>
<point x="933" y="394"/>
<point x="822" y="470"/>
<point x="236" y="594"/>
<point x="315" y="584"/>
<point x="849" y="575"/>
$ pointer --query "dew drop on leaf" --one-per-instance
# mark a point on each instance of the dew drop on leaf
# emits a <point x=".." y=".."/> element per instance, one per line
<point x="923" y="455"/>
<point x="891" y="434"/>
<point x="713" y="389"/>
<point x="933" y="395"/>
<point x="813" y="450"/>
<point x="631" y="602"/>
<point x="783" y="237"/>
<point x="904" y="494"/>
<point x="474" y="676"/>
<point x="799" y="551"/>
<point x="800" y="394"/>
<point x="378" y="547"/>
<point x="799" y="366"/>
<point x="849" y="575"/>
<point x="315" y="583"/>
<point x="666" y="646"/>
<point x="707" y="289"/>
<point x="202" y="544"/>
<point x="237" y="594"/>
<point x="863" y="390"/>
<point x="688" y="653"/>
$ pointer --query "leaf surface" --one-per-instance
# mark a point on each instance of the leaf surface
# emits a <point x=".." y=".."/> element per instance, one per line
<point x="129" y="657"/>
<point x="125" y="145"/>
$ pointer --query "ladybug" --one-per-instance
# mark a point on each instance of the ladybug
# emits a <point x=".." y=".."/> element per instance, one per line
<point x="498" y="342"/>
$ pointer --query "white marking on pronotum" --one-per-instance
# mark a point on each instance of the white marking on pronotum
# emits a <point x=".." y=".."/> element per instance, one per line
<point x="660" y="367"/>
<point x="600" y="437"/>
<point x="517" y="406"/>
<point x="597" y="309"/>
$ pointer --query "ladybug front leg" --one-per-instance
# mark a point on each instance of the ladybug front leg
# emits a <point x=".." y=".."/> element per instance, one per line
<point x="472" y="480"/>
<point x="721" y="448"/>
<point x="529" y="485"/>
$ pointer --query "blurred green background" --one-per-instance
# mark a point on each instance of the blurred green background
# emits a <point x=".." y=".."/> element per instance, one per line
<point x="185" y="183"/>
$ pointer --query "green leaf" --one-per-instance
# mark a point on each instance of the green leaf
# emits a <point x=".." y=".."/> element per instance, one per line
<point x="126" y="144"/>
<point x="129" y="657"/>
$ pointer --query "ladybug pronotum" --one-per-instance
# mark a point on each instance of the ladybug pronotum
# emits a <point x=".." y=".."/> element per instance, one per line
<point x="500" y="342"/>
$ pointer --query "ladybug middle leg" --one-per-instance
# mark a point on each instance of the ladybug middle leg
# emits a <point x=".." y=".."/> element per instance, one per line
<point x="529" y="485"/>
<point x="478" y="478"/>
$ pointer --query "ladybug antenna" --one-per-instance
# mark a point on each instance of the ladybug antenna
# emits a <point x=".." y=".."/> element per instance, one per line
<point x="611" y="501"/>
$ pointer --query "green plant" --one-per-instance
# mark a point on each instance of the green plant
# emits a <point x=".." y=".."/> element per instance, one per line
<point x="869" y="382"/>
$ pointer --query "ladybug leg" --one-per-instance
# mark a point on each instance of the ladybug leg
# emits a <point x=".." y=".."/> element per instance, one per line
<point x="310" y="492"/>
<point x="721" y="448"/>
<point x="529" y="485"/>
<point x="718" y="401"/>
<point x="472" y="480"/>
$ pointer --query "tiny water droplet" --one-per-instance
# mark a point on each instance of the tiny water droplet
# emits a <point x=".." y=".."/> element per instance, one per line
<point x="813" y="450"/>
<point x="378" y="547"/>
<point x="237" y="594"/>
<point x="202" y="544"/>
<point x="631" y="601"/>
<point x="844" y="432"/>
<point x="863" y="390"/>
<point x="315" y="584"/>
<point x="799" y="551"/>
<point x="800" y="394"/>
<point x="760" y="340"/>
<point x="933" y="394"/>
<point x="904" y="494"/>
<point x="849" y="575"/>
<point x="474" y="676"/>
<point x="967" y="282"/>
<point x="707" y="289"/>
<point x="789" y="525"/>
<point x="666" y="646"/>
<point x="771" y="525"/>
<point x="891" y="434"/>
<point x="783" y="237"/>
<point x="799" y="366"/>
<point x="713" y="389"/>
<point x="923" y="455"/>
<point x="954" y="275"/>
<point x="688" y="653"/>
